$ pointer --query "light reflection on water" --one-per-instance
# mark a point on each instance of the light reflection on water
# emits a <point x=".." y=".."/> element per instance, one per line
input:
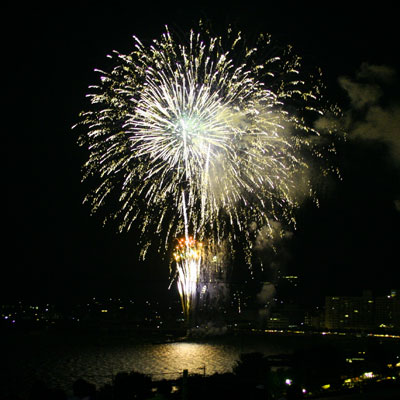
<point x="61" y="363"/>
<point x="157" y="360"/>
<point x="174" y="357"/>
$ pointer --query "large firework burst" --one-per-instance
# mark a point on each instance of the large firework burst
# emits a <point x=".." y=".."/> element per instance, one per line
<point x="208" y="137"/>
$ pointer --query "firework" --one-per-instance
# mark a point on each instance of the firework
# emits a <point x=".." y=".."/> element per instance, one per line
<point x="188" y="257"/>
<point x="208" y="137"/>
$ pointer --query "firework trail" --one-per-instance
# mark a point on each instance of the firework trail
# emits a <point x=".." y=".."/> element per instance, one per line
<point x="204" y="137"/>
<point x="188" y="256"/>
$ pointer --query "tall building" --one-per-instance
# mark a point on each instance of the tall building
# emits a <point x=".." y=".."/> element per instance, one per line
<point x="387" y="311"/>
<point x="362" y="313"/>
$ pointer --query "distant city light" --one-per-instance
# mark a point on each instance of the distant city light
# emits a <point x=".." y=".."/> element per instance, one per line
<point x="368" y="375"/>
<point x="326" y="386"/>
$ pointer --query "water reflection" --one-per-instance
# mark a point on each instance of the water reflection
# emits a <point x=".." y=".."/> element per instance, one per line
<point x="99" y="364"/>
<point x="60" y="363"/>
<point x="174" y="357"/>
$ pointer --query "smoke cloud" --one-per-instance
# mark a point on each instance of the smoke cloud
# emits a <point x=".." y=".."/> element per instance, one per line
<point x="264" y="298"/>
<point x="267" y="236"/>
<point x="372" y="116"/>
<point x="266" y="293"/>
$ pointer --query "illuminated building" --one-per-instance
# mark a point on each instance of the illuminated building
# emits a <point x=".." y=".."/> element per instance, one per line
<point x="387" y="311"/>
<point x="285" y="316"/>
<point x="362" y="312"/>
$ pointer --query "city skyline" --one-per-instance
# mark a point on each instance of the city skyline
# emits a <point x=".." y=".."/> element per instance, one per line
<point x="367" y="313"/>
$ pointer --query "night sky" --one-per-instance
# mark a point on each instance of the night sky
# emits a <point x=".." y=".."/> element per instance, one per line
<point x="55" y="251"/>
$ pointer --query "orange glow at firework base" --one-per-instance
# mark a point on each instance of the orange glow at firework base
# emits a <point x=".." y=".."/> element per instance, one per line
<point x="188" y="248"/>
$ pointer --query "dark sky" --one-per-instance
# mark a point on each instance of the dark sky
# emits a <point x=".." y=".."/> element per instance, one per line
<point x="55" y="250"/>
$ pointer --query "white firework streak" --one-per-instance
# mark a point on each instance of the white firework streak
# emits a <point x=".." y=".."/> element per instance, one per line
<point x="196" y="139"/>
<point x="188" y="257"/>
